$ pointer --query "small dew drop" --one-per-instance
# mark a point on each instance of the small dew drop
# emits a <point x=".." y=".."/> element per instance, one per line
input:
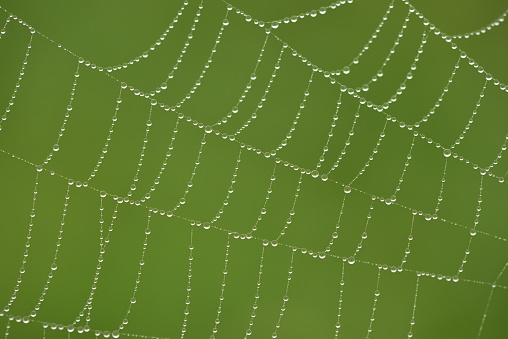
<point x="314" y="174"/>
<point x="347" y="189"/>
<point x="56" y="147"/>
<point x="447" y="152"/>
<point x="351" y="260"/>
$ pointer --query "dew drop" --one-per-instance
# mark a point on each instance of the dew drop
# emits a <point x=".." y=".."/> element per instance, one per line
<point x="351" y="260"/>
<point x="347" y="189"/>
<point x="314" y="173"/>
<point x="56" y="147"/>
<point x="447" y="152"/>
<point x="54" y="266"/>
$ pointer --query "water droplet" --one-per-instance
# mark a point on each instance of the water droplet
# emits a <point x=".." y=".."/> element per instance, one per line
<point x="347" y="189"/>
<point x="324" y="177"/>
<point x="428" y="217"/>
<point x="265" y="242"/>
<point x="447" y="152"/>
<point x="208" y="129"/>
<point x="54" y="266"/>
<point x="314" y="173"/>
<point x="38" y="168"/>
<point x="351" y="260"/>
<point x="322" y="255"/>
<point x="103" y="194"/>
<point x="472" y="232"/>
<point x="253" y="76"/>
<point x="133" y="300"/>
<point x="56" y="147"/>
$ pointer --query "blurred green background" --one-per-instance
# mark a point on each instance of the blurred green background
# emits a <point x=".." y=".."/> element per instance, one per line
<point x="112" y="32"/>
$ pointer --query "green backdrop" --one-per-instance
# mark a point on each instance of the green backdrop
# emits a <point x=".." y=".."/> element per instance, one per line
<point x="110" y="33"/>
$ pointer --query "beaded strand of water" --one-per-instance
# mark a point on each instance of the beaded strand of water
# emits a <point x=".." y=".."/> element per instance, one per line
<point x="269" y="191"/>
<point x="105" y="148"/>
<point x="426" y="117"/>
<point x="473" y="230"/>
<point x="380" y="72"/>
<point x="330" y="133"/>
<point x="441" y="190"/>
<point x="3" y="30"/>
<point x="231" y="190"/>
<point x="247" y="88"/>
<point x="346" y="69"/>
<point x="22" y="269"/>
<point x="375" y="150"/>
<point x="289" y="135"/>
<point x="412" y="323"/>
<point x="179" y="59"/>
<point x="343" y="152"/>
<point x="197" y="83"/>
<point x="274" y="24"/>
<point x="18" y="81"/>
<point x="163" y="166"/>
<point x="135" y="179"/>
<point x="56" y="146"/>
<point x="292" y="212"/>
<point x="103" y="242"/>
<point x="223" y="287"/>
<point x="248" y="332"/>
<point x="409" y="156"/>
<point x="341" y="294"/>
<point x="377" y="293"/>
<point x="190" y="184"/>
<point x="364" y="233"/>
<point x="285" y="299"/>
<point x="145" y="53"/>
<point x="54" y="264"/>
<point x="189" y="287"/>
<point x="133" y="300"/>
<point x="471" y="119"/>
<point x="263" y="99"/>
<point x="407" y="251"/>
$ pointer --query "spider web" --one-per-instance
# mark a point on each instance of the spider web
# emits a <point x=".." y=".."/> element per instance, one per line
<point x="224" y="183"/>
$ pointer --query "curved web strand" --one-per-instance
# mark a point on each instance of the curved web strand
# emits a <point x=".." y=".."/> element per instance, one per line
<point x="366" y="47"/>
<point x="248" y="87"/>
<point x="467" y="35"/>
<point x="223" y="287"/>
<point x="3" y="30"/>
<point x="263" y="99"/>
<point x="326" y="147"/>
<point x="440" y="99"/>
<point x="18" y="82"/>
<point x="22" y="268"/>
<point x="274" y="24"/>
<point x="105" y="148"/>
<point x="289" y="135"/>
<point x="255" y="305"/>
<point x="338" y="324"/>
<point x="471" y="119"/>
<point x="54" y="264"/>
<point x="269" y="191"/>
<point x="104" y="239"/>
<point x="69" y="108"/>
<point x="379" y="72"/>
<point x="285" y="299"/>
